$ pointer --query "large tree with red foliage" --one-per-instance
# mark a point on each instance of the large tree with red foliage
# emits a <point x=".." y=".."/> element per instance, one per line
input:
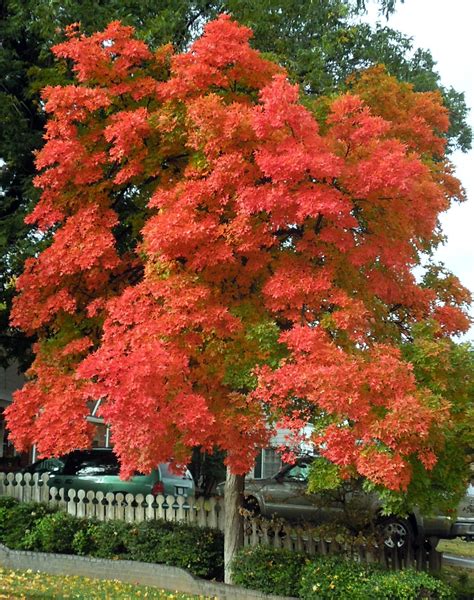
<point x="228" y="258"/>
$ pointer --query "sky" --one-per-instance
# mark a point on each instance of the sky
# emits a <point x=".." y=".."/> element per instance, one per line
<point x="445" y="28"/>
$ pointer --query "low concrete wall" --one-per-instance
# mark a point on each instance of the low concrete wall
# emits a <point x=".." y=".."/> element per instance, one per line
<point x="161" y="576"/>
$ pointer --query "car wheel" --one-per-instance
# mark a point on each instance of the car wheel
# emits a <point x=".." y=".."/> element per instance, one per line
<point x="396" y="533"/>
<point x="251" y="505"/>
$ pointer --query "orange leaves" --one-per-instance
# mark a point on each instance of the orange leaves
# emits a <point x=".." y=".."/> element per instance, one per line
<point x="126" y="133"/>
<point x="296" y="284"/>
<point x="51" y="409"/>
<point x="103" y="57"/>
<point x="84" y="244"/>
<point x="352" y="122"/>
<point x="199" y="209"/>
<point x="221" y="58"/>
<point x="217" y="127"/>
<point x="417" y="119"/>
<point x="74" y="103"/>
<point x="370" y="399"/>
<point x="291" y="147"/>
<point x="386" y="172"/>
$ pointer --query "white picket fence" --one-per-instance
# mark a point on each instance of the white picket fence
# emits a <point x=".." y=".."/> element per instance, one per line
<point x="104" y="507"/>
<point x="205" y="513"/>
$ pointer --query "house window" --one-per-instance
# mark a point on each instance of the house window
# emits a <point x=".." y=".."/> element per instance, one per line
<point x="271" y="462"/>
<point x="267" y="463"/>
<point x="6" y="447"/>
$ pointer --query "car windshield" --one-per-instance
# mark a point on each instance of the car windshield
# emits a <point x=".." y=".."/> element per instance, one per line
<point x="299" y="472"/>
<point x="92" y="463"/>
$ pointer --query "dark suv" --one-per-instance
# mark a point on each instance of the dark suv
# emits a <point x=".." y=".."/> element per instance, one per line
<point x="98" y="470"/>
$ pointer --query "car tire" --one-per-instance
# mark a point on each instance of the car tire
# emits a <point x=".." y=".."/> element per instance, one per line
<point x="396" y="533"/>
<point x="251" y="505"/>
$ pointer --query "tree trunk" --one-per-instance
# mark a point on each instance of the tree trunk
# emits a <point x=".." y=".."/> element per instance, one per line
<point x="233" y="527"/>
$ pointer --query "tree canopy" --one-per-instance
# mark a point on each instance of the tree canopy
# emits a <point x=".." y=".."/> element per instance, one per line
<point x="319" y="43"/>
<point x="227" y="258"/>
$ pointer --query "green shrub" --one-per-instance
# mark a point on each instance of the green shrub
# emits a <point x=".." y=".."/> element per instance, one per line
<point x="20" y="522"/>
<point x="53" y="533"/>
<point x="108" y="539"/>
<point x="200" y="551"/>
<point x="270" y="570"/>
<point x="7" y="502"/>
<point x="407" y="585"/>
<point x="335" y="577"/>
<point x="84" y="541"/>
<point x="143" y="541"/>
<point x="6" y="506"/>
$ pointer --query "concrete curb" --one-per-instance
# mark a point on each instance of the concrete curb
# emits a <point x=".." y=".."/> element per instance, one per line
<point x="127" y="571"/>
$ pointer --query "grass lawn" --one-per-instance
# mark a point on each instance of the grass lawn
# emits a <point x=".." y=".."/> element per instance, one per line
<point x="28" y="585"/>
<point x="456" y="546"/>
<point x="461" y="581"/>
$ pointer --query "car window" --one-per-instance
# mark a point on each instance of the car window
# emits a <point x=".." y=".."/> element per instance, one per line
<point x="92" y="463"/>
<point x="46" y="465"/>
<point x="51" y="464"/>
<point x="167" y="472"/>
<point x="297" y="473"/>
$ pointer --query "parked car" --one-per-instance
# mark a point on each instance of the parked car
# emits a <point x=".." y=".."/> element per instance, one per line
<point x="98" y="470"/>
<point x="284" y="495"/>
<point x="463" y="526"/>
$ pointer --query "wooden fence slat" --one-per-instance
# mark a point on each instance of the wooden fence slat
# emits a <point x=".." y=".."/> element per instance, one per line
<point x="170" y="510"/>
<point x="27" y="487"/>
<point x="160" y="510"/>
<point x="129" y="508"/>
<point x="91" y="506"/>
<point x="201" y="513"/>
<point x="149" y="509"/>
<point x="181" y="511"/>
<point x="119" y="507"/>
<point x="36" y="488"/>
<point x="140" y="508"/>
<point x="109" y="512"/>
<point x="76" y="508"/>
<point x="10" y="490"/>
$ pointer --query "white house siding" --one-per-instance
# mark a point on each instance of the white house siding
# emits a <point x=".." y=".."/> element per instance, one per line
<point x="268" y="461"/>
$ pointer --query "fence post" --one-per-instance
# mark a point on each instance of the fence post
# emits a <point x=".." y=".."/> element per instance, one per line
<point x="434" y="557"/>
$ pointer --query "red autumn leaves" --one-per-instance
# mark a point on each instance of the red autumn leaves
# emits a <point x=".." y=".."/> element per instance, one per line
<point x="197" y="201"/>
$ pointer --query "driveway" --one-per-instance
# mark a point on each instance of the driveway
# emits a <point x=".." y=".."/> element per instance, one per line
<point x="458" y="561"/>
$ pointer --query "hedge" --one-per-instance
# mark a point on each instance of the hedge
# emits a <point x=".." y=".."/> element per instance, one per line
<point x="270" y="570"/>
<point x="38" y="527"/>
<point x="34" y="526"/>
<point x="331" y="577"/>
